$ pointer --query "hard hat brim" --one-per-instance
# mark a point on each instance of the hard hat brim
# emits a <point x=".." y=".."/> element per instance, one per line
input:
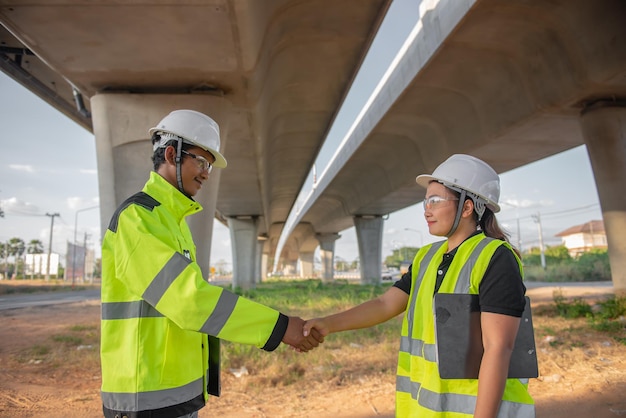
<point x="220" y="161"/>
<point x="424" y="179"/>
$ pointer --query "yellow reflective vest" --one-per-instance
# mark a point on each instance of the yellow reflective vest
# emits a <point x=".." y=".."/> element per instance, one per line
<point x="157" y="309"/>
<point x="420" y="392"/>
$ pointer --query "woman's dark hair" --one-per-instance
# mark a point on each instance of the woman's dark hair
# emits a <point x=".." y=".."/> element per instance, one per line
<point x="158" y="157"/>
<point x="489" y="224"/>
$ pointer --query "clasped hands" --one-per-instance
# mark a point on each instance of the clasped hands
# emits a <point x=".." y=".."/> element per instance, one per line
<point x="303" y="335"/>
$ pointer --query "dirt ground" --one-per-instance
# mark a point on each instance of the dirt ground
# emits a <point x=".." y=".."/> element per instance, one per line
<point x="582" y="372"/>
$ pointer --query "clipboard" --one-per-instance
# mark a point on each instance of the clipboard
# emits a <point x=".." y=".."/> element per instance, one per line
<point x="458" y="336"/>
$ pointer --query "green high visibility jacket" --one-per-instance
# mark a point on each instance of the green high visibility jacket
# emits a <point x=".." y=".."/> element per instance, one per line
<point x="157" y="309"/>
<point x="420" y="391"/>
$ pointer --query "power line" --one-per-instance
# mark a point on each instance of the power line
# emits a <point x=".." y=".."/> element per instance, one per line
<point x="572" y="211"/>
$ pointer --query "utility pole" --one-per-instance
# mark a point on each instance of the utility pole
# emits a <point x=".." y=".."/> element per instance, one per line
<point x="85" y="258"/>
<point x="74" y="243"/>
<point x="537" y="219"/>
<point x="52" y="216"/>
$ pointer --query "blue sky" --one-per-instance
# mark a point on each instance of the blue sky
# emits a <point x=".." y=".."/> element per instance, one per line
<point x="48" y="165"/>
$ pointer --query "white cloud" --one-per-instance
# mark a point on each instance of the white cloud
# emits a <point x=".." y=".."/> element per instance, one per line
<point x="17" y="206"/>
<point x="88" y="171"/>
<point x="79" y="203"/>
<point x="22" y="167"/>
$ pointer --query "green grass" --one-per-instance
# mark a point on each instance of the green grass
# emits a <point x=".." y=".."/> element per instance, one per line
<point x="339" y="356"/>
<point x="22" y="286"/>
<point x="607" y="316"/>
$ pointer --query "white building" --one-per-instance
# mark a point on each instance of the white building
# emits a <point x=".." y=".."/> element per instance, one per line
<point x="582" y="238"/>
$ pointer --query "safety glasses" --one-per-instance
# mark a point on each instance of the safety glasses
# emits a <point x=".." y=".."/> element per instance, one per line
<point x="434" y="202"/>
<point x="203" y="163"/>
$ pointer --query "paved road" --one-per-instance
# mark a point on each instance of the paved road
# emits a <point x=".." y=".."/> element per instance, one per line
<point x="533" y="285"/>
<point x="49" y="298"/>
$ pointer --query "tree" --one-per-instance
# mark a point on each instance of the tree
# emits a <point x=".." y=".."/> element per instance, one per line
<point x="4" y="254"/>
<point x="16" y="250"/>
<point x="34" y="246"/>
<point x="594" y="265"/>
<point x="554" y="255"/>
<point x="400" y="255"/>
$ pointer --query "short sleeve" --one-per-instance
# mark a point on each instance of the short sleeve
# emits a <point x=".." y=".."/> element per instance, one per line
<point x="404" y="283"/>
<point x="502" y="288"/>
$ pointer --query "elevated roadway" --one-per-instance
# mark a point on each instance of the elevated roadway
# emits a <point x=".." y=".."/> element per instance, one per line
<point x="509" y="82"/>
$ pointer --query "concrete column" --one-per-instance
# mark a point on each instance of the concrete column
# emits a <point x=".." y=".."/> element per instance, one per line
<point x="243" y="236"/>
<point x="264" y="261"/>
<point x="123" y="150"/>
<point x="604" y="130"/>
<point x="327" y="253"/>
<point x="369" y="234"/>
<point x="258" y="263"/>
<point x="306" y="261"/>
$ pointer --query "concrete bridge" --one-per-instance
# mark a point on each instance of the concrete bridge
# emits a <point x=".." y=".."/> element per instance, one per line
<point x="510" y="82"/>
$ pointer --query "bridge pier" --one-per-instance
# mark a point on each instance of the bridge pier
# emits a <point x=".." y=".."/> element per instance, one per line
<point x="604" y="130"/>
<point x="123" y="149"/>
<point x="261" y="261"/>
<point x="327" y="253"/>
<point x="306" y="263"/>
<point x="246" y="251"/>
<point x="369" y="233"/>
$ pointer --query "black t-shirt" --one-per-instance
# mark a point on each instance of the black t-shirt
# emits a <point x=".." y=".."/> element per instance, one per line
<point x="501" y="290"/>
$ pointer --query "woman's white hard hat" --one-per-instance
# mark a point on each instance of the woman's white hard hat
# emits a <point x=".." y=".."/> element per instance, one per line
<point x="468" y="173"/>
<point x="194" y="128"/>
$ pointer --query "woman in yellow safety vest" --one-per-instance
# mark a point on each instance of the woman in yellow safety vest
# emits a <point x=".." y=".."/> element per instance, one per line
<point x="461" y="199"/>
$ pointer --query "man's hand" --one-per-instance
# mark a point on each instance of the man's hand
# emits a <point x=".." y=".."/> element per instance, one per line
<point x="294" y="336"/>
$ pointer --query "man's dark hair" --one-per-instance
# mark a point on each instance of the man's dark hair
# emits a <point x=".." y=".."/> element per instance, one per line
<point x="158" y="157"/>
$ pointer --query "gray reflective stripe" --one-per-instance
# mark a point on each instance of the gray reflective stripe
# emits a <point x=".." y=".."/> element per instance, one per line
<point x="404" y="385"/>
<point x="454" y="402"/>
<point x="221" y="313"/>
<point x="463" y="281"/>
<point x="154" y="399"/>
<point x="162" y="281"/>
<point x="126" y="310"/>
<point x="418" y="281"/>
<point x="447" y="402"/>
<point x="418" y="348"/>
<point x="516" y="409"/>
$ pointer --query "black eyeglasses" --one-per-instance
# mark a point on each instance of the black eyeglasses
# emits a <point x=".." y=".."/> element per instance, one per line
<point x="203" y="163"/>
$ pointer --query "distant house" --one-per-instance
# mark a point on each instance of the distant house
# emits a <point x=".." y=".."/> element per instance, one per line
<point x="582" y="238"/>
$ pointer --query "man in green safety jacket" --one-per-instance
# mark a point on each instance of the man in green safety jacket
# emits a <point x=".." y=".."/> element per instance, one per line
<point x="159" y="315"/>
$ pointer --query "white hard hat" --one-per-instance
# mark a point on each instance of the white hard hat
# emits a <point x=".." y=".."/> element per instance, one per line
<point x="194" y="128"/>
<point x="470" y="174"/>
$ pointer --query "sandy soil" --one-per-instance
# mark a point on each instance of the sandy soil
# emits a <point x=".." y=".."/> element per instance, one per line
<point x="582" y="372"/>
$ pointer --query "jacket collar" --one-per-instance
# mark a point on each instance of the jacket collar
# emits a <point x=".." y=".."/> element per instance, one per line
<point x="177" y="203"/>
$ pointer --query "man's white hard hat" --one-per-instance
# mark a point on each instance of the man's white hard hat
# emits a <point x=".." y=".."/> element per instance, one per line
<point x="468" y="173"/>
<point x="194" y="128"/>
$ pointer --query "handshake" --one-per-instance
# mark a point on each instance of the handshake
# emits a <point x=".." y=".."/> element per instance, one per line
<point x="303" y="335"/>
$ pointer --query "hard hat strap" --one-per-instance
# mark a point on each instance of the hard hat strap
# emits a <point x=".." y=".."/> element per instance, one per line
<point x="479" y="203"/>
<point x="179" y="177"/>
<point x="459" y="210"/>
